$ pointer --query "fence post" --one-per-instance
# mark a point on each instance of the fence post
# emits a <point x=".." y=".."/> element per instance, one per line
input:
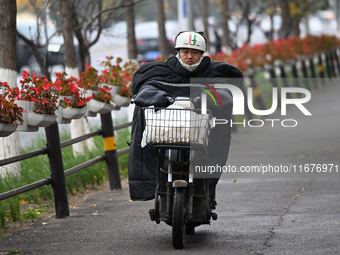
<point x="312" y="69"/>
<point x="331" y="63"/>
<point x="328" y="65"/>
<point x="57" y="171"/>
<point x="248" y="114"/>
<point x="110" y="148"/>
<point x="295" y="74"/>
<point x="256" y="91"/>
<point x="305" y="73"/>
<point x="321" y="69"/>
<point x="335" y="54"/>
<point x="283" y="75"/>
<point x="273" y="78"/>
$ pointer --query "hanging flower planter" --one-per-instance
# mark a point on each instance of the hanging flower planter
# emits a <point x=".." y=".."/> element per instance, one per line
<point x="40" y="120"/>
<point x="95" y="106"/>
<point x="7" y="129"/>
<point x="112" y="88"/>
<point x="122" y="101"/>
<point x="39" y="99"/>
<point x="74" y="113"/>
<point x="120" y="75"/>
<point x="10" y="112"/>
<point x="65" y="116"/>
<point x="32" y="120"/>
<point x="68" y="98"/>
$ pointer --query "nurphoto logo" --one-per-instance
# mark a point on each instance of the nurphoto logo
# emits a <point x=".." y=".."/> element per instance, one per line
<point x="303" y="96"/>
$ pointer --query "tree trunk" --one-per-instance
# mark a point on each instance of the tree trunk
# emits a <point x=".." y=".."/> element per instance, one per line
<point x="78" y="127"/>
<point x="286" y="19"/>
<point x="246" y="16"/>
<point x="205" y="22"/>
<point x="163" y="44"/>
<point x="272" y="6"/>
<point x="67" y="27"/>
<point x="9" y="146"/>
<point x="131" y="37"/>
<point x="226" y="45"/>
<point x="271" y="31"/>
<point x="83" y="49"/>
<point x="296" y="26"/>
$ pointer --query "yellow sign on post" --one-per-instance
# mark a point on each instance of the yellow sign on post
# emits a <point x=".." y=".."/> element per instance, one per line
<point x="109" y="143"/>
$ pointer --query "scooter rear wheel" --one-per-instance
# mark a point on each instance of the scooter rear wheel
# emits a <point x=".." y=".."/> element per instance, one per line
<point x="178" y="218"/>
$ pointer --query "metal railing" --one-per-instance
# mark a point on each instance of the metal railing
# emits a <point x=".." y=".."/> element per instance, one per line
<point x="315" y="70"/>
<point x="57" y="173"/>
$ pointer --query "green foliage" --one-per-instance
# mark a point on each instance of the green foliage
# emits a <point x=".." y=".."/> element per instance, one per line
<point x="303" y="8"/>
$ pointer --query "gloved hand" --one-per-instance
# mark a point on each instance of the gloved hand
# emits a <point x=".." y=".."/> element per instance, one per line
<point x="152" y="96"/>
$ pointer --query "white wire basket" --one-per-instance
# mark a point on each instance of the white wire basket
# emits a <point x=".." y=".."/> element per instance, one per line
<point x="176" y="126"/>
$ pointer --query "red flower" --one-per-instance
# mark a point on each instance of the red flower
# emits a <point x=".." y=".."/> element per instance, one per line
<point x="10" y="113"/>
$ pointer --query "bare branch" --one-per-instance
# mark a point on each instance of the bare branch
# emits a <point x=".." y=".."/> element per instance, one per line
<point x="99" y="13"/>
<point x="29" y="42"/>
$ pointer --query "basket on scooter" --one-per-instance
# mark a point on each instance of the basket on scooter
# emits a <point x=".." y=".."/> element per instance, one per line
<point x="176" y="126"/>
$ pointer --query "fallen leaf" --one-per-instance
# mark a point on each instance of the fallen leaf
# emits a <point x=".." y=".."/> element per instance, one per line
<point x="23" y="202"/>
<point x="45" y="223"/>
<point x="94" y="205"/>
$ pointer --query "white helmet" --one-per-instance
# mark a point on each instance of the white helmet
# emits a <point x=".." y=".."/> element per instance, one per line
<point x="191" y="40"/>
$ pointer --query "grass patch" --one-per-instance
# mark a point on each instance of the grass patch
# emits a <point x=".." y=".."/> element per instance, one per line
<point x="13" y="251"/>
<point x="31" y="205"/>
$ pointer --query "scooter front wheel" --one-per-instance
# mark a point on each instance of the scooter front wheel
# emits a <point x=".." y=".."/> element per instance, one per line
<point x="178" y="218"/>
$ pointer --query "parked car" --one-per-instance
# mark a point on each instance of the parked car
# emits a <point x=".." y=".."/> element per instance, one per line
<point x="147" y="39"/>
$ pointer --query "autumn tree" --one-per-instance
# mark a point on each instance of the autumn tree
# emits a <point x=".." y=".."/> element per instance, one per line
<point x="293" y="12"/>
<point x="301" y="9"/>
<point x="286" y="24"/>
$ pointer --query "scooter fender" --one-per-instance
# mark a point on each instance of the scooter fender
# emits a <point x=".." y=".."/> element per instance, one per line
<point x="180" y="184"/>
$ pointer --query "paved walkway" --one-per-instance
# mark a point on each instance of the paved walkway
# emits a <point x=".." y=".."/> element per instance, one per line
<point x="269" y="213"/>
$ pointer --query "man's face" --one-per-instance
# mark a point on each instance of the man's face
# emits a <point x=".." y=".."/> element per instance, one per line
<point x="190" y="56"/>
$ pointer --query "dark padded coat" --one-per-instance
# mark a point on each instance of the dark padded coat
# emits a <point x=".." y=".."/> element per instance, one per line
<point x="158" y="83"/>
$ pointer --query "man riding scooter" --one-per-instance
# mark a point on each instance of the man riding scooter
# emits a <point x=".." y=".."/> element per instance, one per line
<point x="158" y="84"/>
